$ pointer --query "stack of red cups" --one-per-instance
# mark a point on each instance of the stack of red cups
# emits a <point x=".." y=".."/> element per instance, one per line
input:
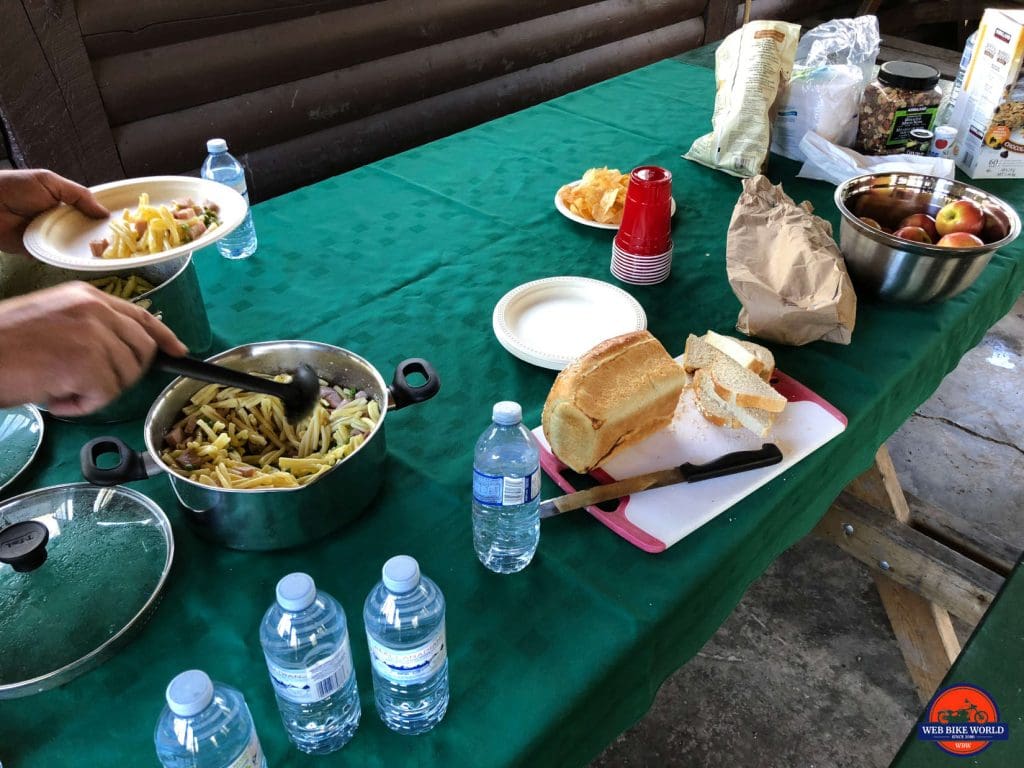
<point x="642" y="249"/>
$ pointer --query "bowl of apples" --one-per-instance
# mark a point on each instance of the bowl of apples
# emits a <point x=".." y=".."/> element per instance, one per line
<point x="913" y="238"/>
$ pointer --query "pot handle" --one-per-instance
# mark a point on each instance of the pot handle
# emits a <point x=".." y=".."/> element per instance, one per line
<point x="131" y="465"/>
<point x="401" y="393"/>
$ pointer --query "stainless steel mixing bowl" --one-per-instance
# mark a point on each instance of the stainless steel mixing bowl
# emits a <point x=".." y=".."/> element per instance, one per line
<point x="894" y="269"/>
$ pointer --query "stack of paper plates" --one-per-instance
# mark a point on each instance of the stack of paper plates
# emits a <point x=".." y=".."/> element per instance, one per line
<point x="553" y="321"/>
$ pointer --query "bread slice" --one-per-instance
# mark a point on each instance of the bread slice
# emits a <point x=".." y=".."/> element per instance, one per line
<point x="698" y="354"/>
<point x="710" y="405"/>
<point x="739" y="386"/>
<point x="702" y="351"/>
<point x="748" y="354"/>
<point x="720" y="413"/>
<point x="618" y="393"/>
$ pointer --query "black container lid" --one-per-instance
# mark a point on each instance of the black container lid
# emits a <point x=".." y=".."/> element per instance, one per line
<point x="909" y="75"/>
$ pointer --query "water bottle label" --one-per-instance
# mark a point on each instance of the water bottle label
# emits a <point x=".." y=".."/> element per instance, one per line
<point x="412" y="665"/>
<point x="501" y="491"/>
<point x="315" y="682"/>
<point x="251" y="756"/>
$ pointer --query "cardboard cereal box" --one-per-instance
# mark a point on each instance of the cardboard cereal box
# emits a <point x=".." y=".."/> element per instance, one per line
<point x="989" y="113"/>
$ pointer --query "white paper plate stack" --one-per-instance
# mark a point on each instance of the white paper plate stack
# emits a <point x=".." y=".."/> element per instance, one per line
<point x="553" y="321"/>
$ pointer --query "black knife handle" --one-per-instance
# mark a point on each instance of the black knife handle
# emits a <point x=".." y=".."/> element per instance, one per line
<point x="731" y="463"/>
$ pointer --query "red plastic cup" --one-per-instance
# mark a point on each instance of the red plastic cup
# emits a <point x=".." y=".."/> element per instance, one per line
<point x="647" y="213"/>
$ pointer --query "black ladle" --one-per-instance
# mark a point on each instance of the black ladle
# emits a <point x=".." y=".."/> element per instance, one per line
<point x="298" y="397"/>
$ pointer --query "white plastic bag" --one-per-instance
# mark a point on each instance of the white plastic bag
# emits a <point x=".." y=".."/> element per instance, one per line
<point x="828" y="162"/>
<point x="834" y="61"/>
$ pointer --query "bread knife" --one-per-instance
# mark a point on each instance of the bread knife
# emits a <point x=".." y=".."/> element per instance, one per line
<point x="729" y="464"/>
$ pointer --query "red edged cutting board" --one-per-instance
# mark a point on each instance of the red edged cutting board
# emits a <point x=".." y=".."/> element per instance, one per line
<point x="656" y="519"/>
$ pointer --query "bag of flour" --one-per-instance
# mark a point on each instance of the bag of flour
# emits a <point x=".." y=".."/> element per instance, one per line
<point x="834" y="61"/>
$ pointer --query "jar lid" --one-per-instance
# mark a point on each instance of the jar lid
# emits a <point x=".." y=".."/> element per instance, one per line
<point x="80" y="568"/>
<point x="921" y="133"/>
<point x="909" y="75"/>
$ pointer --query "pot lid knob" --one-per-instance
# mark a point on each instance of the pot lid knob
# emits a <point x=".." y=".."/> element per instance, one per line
<point x="23" y="545"/>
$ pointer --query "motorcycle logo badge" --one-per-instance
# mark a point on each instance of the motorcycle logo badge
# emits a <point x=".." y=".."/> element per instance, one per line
<point x="963" y="720"/>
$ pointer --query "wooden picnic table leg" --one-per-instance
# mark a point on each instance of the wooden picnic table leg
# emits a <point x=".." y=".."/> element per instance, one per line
<point x="924" y="630"/>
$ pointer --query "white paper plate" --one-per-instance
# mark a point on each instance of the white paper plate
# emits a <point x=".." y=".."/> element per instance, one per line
<point x="553" y="321"/>
<point x="61" y="236"/>
<point x="579" y="219"/>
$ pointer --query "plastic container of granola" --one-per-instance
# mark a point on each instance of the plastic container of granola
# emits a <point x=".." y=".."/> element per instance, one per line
<point x="905" y="96"/>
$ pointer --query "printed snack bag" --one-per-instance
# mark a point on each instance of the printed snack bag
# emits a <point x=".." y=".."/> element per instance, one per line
<point x="750" y="66"/>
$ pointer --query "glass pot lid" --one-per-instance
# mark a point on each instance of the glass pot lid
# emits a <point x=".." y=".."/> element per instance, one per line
<point x="21" y="433"/>
<point x="81" y="567"/>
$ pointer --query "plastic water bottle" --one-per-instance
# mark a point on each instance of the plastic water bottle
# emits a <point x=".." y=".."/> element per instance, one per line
<point x="206" y="725"/>
<point x="221" y="166"/>
<point x="947" y="111"/>
<point x="306" y="644"/>
<point x="404" y="618"/>
<point x="506" y="492"/>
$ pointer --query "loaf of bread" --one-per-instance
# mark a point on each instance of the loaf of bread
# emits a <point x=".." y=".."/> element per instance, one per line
<point x="618" y="393"/>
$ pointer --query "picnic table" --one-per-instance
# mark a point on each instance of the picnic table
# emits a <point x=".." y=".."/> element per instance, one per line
<point x="407" y="257"/>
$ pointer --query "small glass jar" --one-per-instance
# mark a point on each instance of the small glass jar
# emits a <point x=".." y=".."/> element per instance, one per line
<point x="905" y="96"/>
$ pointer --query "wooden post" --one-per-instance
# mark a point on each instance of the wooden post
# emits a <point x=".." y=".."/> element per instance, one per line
<point x="719" y="19"/>
<point x="924" y="631"/>
<point x="49" y="102"/>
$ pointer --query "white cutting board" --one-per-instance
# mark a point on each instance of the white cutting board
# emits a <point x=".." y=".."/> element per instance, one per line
<point x="656" y="519"/>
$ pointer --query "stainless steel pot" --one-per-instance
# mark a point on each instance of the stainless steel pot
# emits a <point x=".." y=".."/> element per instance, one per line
<point x="898" y="270"/>
<point x="175" y="299"/>
<point x="272" y="518"/>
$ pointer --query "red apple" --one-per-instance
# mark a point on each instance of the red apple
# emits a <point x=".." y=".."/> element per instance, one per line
<point x="997" y="224"/>
<point x="960" y="216"/>
<point x="870" y="222"/>
<point x="916" y="234"/>
<point x="960" y="240"/>
<point x="924" y="221"/>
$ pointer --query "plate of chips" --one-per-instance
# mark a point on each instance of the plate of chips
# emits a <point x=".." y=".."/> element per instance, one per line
<point x="597" y="199"/>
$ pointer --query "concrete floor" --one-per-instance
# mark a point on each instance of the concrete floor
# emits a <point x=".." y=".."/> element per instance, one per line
<point x="806" y="671"/>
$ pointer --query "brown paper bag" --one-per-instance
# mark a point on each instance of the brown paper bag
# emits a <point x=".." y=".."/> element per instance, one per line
<point x="786" y="270"/>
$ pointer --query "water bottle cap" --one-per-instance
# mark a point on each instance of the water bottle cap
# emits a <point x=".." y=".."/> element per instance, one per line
<point x="189" y="693"/>
<point x="214" y="146"/>
<point x="507" y="413"/>
<point x="401" y="574"/>
<point x="296" y="591"/>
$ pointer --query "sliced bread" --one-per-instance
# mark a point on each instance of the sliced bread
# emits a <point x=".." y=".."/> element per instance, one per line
<point x="710" y="405"/>
<point x="702" y="351"/>
<point x="718" y="412"/>
<point x="739" y="386"/>
<point x="748" y="354"/>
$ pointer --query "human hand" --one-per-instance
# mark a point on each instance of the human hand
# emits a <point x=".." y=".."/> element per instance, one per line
<point x="74" y="348"/>
<point x="26" y="194"/>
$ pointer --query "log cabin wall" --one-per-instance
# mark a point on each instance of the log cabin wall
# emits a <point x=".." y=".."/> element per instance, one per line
<point x="305" y="89"/>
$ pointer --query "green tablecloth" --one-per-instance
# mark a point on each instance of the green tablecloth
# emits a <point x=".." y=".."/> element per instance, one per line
<point x="407" y="257"/>
<point x="991" y="660"/>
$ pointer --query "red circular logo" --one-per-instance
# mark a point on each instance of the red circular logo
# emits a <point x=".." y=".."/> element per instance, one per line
<point x="967" y="705"/>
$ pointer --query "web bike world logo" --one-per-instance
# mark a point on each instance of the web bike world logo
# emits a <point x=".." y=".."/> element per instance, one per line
<point x="963" y="720"/>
